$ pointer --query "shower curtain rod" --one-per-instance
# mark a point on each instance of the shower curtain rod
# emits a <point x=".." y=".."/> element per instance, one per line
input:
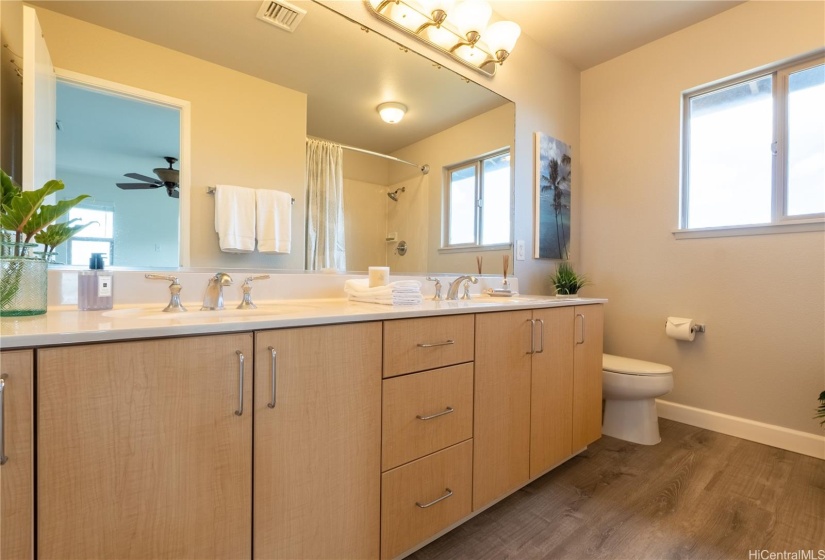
<point x="423" y="168"/>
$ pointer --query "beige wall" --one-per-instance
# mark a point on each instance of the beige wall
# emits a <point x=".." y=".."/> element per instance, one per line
<point x="761" y="297"/>
<point x="245" y="131"/>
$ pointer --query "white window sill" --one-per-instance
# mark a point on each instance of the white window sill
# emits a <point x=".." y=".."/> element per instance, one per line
<point x="476" y="248"/>
<point x="798" y="226"/>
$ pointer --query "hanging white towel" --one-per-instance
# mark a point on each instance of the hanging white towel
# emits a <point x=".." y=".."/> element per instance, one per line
<point x="274" y="221"/>
<point x="235" y="218"/>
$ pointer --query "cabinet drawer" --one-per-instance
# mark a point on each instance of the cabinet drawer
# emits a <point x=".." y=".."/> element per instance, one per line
<point x="444" y="476"/>
<point x="425" y="412"/>
<point x="418" y="344"/>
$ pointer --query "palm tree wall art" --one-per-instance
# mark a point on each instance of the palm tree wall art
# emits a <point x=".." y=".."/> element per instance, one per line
<point x="552" y="204"/>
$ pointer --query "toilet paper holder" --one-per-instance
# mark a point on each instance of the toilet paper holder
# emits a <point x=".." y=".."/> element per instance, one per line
<point x="697" y="328"/>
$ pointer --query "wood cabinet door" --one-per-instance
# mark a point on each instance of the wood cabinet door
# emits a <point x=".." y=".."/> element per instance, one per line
<point x="317" y="466"/>
<point x="587" y="375"/>
<point x="144" y="450"/>
<point x="501" y="431"/>
<point x="17" y="469"/>
<point x="551" y="397"/>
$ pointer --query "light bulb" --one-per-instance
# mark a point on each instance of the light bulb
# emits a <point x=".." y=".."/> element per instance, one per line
<point x="392" y="112"/>
<point x="502" y="36"/>
<point x="471" y="15"/>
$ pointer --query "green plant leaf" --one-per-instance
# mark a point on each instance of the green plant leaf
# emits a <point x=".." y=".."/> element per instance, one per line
<point x="23" y="207"/>
<point x="8" y="190"/>
<point x="56" y="234"/>
<point x="48" y="213"/>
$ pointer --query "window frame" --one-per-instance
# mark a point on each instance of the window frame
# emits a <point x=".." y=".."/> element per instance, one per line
<point x="780" y="221"/>
<point x="478" y="164"/>
<point x="111" y="240"/>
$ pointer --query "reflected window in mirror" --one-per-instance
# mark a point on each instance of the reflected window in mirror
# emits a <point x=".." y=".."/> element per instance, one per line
<point x="95" y="238"/>
<point x="478" y="195"/>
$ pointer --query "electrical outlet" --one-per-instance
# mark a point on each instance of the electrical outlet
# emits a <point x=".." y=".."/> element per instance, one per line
<point x="520" y="250"/>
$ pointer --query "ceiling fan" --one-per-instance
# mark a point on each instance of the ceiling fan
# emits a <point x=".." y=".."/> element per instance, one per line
<point x="166" y="178"/>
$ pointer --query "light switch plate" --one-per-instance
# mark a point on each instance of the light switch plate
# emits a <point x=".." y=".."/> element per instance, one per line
<point x="520" y="250"/>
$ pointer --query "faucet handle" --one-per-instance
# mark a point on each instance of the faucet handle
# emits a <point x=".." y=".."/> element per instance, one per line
<point x="467" y="282"/>
<point x="175" y="305"/>
<point x="222" y="278"/>
<point x="437" y="296"/>
<point x="246" y="303"/>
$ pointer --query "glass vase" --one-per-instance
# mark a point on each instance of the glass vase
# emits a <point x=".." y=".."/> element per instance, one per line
<point x="24" y="280"/>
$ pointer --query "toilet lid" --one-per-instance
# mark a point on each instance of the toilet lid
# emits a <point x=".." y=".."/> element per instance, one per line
<point x="620" y="364"/>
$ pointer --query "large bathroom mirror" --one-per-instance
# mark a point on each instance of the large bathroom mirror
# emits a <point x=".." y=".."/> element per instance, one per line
<point x="271" y="90"/>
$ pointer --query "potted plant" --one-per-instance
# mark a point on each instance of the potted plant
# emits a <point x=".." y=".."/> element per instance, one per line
<point x="566" y="281"/>
<point x="27" y="221"/>
<point x="820" y="412"/>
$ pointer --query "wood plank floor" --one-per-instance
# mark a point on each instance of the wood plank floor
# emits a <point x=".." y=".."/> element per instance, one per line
<point x="698" y="494"/>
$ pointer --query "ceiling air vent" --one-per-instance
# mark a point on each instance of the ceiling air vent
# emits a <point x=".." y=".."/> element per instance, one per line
<point x="281" y="14"/>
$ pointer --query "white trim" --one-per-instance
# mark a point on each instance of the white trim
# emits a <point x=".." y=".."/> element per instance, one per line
<point x="768" y="434"/>
<point x="185" y="108"/>
<point x="796" y="226"/>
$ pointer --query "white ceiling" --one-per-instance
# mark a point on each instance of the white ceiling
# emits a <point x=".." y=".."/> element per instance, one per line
<point x="589" y="32"/>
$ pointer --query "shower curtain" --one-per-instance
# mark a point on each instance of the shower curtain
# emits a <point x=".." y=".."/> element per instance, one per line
<point x="325" y="206"/>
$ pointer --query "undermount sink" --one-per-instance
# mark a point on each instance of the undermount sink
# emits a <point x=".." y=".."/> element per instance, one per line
<point x="154" y="314"/>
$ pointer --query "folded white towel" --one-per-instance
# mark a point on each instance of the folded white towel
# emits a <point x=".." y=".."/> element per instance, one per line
<point x="235" y="218"/>
<point x="403" y="292"/>
<point x="274" y="221"/>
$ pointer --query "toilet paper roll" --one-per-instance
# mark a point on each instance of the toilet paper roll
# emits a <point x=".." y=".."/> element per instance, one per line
<point x="680" y="328"/>
<point x="379" y="276"/>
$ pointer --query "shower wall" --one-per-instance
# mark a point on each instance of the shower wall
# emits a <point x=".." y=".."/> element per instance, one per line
<point x="365" y="210"/>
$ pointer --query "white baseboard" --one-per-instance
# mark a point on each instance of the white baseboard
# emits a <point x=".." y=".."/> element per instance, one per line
<point x="768" y="434"/>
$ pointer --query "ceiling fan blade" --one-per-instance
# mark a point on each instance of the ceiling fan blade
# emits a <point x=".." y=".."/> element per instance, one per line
<point x="140" y="177"/>
<point x="136" y="186"/>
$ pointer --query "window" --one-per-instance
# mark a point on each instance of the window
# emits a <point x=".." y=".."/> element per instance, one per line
<point x="478" y="203"/>
<point x="754" y="149"/>
<point x="96" y="238"/>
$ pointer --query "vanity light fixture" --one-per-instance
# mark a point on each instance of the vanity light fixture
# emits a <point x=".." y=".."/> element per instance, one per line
<point x="458" y="29"/>
<point x="392" y="112"/>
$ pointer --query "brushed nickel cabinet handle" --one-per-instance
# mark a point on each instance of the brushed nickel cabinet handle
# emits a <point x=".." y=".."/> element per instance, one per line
<point x="274" y="366"/>
<point x="541" y="336"/>
<point x="240" y="369"/>
<point x="532" y="336"/>
<point x="582" y="329"/>
<point x="448" y="410"/>
<point x="432" y="344"/>
<point x="444" y="497"/>
<point x="3" y="457"/>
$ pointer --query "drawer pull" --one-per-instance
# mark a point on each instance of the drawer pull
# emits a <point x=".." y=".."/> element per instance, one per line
<point x="239" y="412"/>
<point x="433" y="344"/>
<point x="448" y="410"/>
<point x="444" y="497"/>
<point x="3" y="457"/>
<point x="274" y="366"/>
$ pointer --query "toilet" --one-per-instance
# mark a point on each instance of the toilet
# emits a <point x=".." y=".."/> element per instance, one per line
<point x="629" y="388"/>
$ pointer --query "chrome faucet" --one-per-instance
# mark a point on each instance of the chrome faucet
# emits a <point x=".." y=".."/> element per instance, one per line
<point x="452" y="291"/>
<point x="213" y="299"/>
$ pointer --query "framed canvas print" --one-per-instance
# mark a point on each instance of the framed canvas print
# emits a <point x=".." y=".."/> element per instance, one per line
<point x="552" y="198"/>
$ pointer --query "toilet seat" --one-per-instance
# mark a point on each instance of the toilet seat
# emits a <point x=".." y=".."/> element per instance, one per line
<point x="630" y="366"/>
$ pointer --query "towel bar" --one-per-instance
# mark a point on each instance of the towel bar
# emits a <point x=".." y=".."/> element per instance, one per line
<point x="211" y="190"/>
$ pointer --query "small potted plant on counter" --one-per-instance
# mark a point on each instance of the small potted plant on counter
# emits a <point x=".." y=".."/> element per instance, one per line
<point x="566" y="281"/>
<point x="27" y="221"/>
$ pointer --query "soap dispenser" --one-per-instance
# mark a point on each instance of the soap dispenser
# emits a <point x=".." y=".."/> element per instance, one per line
<point x="95" y="286"/>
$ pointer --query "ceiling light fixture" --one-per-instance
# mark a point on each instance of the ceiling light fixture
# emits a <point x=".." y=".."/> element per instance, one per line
<point x="458" y="29"/>
<point x="392" y="112"/>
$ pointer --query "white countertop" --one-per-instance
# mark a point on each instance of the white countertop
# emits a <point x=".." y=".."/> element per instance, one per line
<point x="67" y="325"/>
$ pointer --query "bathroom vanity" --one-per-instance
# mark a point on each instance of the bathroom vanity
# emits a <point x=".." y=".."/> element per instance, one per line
<point x="331" y="430"/>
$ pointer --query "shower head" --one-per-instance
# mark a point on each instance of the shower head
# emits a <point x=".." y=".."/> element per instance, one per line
<point x="394" y="195"/>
